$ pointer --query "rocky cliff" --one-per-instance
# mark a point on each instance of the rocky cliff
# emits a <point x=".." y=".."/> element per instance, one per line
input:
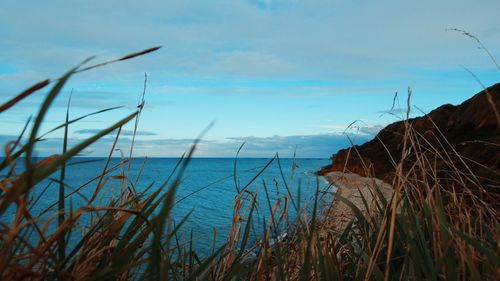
<point x="471" y="129"/>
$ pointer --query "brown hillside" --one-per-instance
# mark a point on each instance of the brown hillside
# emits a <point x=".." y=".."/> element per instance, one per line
<point x="471" y="129"/>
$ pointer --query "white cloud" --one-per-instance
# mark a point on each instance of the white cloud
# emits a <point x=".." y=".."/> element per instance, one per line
<point x="301" y="40"/>
<point x="306" y="146"/>
<point x="263" y="48"/>
<point x="122" y="132"/>
<point x="253" y="63"/>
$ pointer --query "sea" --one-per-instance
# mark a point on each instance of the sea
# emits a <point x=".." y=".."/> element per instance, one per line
<point x="206" y="193"/>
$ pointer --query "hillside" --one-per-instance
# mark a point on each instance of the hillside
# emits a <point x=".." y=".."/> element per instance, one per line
<point x="471" y="129"/>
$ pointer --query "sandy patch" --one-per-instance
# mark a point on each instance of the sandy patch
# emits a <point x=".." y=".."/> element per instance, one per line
<point x="352" y="187"/>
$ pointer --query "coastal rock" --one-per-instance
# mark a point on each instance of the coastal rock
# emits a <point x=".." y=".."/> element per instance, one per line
<point x="470" y="129"/>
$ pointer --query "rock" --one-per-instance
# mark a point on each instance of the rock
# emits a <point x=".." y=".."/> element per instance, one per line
<point x="471" y="129"/>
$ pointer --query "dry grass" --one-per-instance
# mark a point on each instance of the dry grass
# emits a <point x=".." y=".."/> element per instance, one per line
<point x="431" y="228"/>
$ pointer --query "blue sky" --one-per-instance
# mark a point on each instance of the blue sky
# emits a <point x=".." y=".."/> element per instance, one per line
<point x="282" y="75"/>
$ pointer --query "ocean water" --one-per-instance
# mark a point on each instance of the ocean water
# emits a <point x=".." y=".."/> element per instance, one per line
<point x="207" y="190"/>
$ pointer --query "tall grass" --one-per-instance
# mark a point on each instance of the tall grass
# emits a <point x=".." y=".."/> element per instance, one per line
<point x="431" y="228"/>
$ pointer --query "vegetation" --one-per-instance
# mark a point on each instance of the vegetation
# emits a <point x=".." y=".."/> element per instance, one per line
<point x="431" y="229"/>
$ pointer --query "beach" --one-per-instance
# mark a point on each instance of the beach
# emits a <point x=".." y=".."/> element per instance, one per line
<point x="354" y="188"/>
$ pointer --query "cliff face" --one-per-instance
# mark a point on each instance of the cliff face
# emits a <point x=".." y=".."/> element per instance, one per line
<point x="471" y="129"/>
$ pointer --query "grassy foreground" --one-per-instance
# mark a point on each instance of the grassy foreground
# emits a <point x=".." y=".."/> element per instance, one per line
<point x="431" y="229"/>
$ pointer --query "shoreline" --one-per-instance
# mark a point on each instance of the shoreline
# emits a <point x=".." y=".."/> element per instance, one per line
<point x="350" y="186"/>
<point x="336" y="214"/>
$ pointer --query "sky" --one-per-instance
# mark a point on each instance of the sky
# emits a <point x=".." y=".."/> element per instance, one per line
<point x="280" y="75"/>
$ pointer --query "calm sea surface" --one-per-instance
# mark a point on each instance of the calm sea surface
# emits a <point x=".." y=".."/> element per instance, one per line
<point x="207" y="189"/>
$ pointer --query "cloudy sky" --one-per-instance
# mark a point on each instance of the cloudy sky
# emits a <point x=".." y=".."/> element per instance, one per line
<point x="278" y="74"/>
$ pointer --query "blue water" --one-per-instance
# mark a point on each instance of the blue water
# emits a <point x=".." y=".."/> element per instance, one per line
<point x="207" y="189"/>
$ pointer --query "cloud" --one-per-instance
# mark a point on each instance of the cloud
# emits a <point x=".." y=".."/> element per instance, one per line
<point x="397" y="112"/>
<point x="287" y="54"/>
<point x="305" y="146"/>
<point x="257" y="64"/>
<point x="370" y="130"/>
<point x="318" y="146"/>
<point x="301" y="39"/>
<point x="255" y="47"/>
<point x="123" y="132"/>
<point x="356" y="128"/>
<point x="274" y="5"/>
